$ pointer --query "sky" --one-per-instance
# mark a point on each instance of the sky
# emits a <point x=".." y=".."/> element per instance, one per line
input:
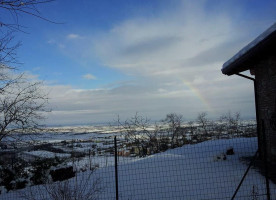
<point x="105" y="58"/>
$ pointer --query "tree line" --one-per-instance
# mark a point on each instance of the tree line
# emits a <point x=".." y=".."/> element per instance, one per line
<point x="172" y="132"/>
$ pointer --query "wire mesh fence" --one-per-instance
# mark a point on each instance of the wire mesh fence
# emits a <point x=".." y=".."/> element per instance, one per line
<point x="198" y="166"/>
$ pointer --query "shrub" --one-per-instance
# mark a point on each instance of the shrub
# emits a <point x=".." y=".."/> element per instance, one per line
<point x="62" y="173"/>
<point x="83" y="187"/>
<point x="13" y="176"/>
<point x="41" y="169"/>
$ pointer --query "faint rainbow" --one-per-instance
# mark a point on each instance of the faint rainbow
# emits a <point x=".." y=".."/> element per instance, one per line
<point x="197" y="93"/>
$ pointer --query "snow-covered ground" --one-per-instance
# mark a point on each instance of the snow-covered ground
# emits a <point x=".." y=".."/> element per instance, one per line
<point x="100" y="161"/>
<point x="47" y="154"/>
<point x="190" y="172"/>
<point x="58" y="134"/>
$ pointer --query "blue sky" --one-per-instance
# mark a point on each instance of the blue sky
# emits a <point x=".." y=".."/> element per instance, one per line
<point x="109" y="58"/>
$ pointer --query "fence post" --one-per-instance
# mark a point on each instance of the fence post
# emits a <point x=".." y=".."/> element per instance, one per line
<point x="265" y="161"/>
<point x="245" y="174"/>
<point x="116" y="168"/>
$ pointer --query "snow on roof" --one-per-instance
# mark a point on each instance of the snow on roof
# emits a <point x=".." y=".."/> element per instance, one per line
<point x="231" y="64"/>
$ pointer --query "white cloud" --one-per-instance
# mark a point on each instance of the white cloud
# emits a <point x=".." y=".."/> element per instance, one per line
<point x="174" y="60"/>
<point x="169" y="43"/>
<point x="72" y="105"/>
<point x="89" y="77"/>
<point x="57" y="43"/>
<point x="72" y="36"/>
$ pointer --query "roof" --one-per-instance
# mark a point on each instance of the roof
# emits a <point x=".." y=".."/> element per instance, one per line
<point x="245" y="59"/>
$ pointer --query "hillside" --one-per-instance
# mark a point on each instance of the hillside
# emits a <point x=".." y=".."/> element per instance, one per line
<point x="188" y="172"/>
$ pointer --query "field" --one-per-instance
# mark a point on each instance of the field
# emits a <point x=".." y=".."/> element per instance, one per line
<point x="195" y="170"/>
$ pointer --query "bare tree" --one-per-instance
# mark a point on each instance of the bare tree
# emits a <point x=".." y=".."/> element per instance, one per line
<point x="15" y="8"/>
<point x="232" y="121"/>
<point x="203" y="121"/>
<point x="137" y="130"/>
<point x="8" y="50"/>
<point x="191" y="127"/>
<point x="173" y="121"/>
<point x="21" y="107"/>
<point x="236" y="120"/>
<point x="7" y="58"/>
<point x="21" y="102"/>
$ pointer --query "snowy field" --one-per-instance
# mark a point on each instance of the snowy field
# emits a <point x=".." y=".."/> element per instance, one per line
<point x="190" y="172"/>
<point x="58" y="134"/>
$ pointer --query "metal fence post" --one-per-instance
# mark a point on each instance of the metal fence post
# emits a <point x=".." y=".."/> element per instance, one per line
<point x="245" y="174"/>
<point x="265" y="161"/>
<point x="116" y="168"/>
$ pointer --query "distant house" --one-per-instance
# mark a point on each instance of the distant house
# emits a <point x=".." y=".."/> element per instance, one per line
<point x="259" y="57"/>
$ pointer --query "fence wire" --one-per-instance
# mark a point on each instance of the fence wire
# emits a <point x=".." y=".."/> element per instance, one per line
<point x="203" y="168"/>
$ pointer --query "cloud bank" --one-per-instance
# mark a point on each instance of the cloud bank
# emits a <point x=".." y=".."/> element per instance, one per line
<point x="173" y="61"/>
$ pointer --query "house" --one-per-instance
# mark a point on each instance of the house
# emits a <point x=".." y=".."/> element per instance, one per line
<point x="259" y="57"/>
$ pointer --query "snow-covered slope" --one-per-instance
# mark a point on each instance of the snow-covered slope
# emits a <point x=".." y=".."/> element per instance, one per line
<point x="189" y="172"/>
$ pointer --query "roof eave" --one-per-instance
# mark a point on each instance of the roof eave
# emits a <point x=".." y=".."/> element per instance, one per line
<point x="247" y="57"/>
